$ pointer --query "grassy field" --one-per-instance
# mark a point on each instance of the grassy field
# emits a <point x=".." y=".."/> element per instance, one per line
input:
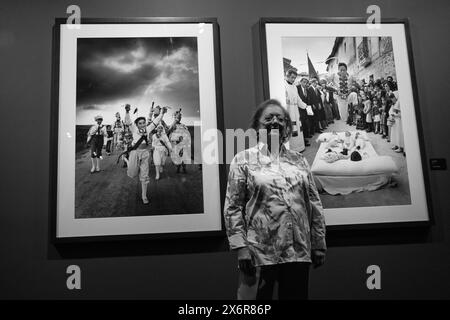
<point x="111" y="193"/>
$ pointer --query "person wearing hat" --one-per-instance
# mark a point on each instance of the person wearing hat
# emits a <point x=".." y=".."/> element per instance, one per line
<point x="139" y="155"/>
<point x="156" y="112"/>
<point x="118" y="129"/>
<point x="95" y="138"/>
<point x="161" y="148"/>
<point x="180" y="138"/>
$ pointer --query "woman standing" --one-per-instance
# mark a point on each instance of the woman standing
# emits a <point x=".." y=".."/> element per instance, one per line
<point x="273" y="213"/>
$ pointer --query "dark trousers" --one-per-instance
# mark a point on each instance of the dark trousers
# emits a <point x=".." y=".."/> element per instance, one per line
<point x="335" y="110"/>
<point x="96" y="146"/>
<point x="315" y="120"/>
<point x="290" y="280"/>
<point x="305" y="122"/>
<point x="108" y="146"/>
<point x="350" y="114"/>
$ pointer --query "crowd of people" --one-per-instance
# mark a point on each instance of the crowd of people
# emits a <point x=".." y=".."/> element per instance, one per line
<point x="315" y="103"/>
<point x="140" y="142"/>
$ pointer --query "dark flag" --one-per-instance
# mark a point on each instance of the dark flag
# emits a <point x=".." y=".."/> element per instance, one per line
<point x="312" y="72"/>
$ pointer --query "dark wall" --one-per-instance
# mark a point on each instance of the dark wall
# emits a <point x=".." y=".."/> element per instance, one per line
<point x="414" y="264"/>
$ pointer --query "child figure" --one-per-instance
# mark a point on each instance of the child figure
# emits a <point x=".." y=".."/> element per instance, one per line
<point x="161" y="149"/>
<point x="368" y="114"/>
<point x="138" y="161"/>
<point x="334" y="140"/>
<point x="360" y="142"/>
<point x="376" y="116"/>
<point x="95" y="138"/>
<point x="348" y="142"/>
<point x="384" y="116"/>
<point x="109" y="139"/>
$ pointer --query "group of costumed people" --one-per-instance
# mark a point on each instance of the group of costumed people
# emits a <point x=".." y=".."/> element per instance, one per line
<point x="141" y="141"/>
<point x="314" y="104"/>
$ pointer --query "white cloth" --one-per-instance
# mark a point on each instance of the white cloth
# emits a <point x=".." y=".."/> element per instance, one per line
<point x="346" y="176"/>
<point x="353" y="98"/>
<point x="343" y="108"/>
<point x="293" y="102"/>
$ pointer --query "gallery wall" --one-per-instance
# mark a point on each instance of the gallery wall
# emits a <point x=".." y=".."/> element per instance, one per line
<point x="414" y="263"/>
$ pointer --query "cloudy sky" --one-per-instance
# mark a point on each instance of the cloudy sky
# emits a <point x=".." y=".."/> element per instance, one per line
<point x="318" y="48"/>
<point x="112" y="72"/>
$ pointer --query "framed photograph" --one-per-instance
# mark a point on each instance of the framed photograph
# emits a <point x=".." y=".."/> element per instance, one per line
<point x="131" y="101"/>
<point x="353" y="88"/>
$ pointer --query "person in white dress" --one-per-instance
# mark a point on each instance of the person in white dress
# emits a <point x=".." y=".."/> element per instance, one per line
<point x="293" y="103"/>
<point x="396" y="130"/>
<point x="341" y="82"/>
<point x="180" y="138"/>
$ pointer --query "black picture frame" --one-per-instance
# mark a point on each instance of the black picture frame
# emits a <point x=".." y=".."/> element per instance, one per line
<point x="388" y="228"/>
<point x="54" y="126"/>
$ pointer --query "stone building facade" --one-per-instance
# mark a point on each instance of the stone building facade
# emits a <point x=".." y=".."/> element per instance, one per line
<point x="364" y="56"/>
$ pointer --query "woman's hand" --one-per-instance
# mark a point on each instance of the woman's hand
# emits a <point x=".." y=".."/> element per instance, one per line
<point x="318" y="258"/>
<point x="245" y="261"/>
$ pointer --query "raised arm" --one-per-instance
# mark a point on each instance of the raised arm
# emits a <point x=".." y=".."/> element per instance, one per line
<point x="154" y="123"/>
<point x="90" y="133"/>
<point x="127" y="120"/>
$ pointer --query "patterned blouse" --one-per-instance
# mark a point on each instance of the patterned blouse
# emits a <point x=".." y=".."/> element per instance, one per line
<point x="272" y="206"/>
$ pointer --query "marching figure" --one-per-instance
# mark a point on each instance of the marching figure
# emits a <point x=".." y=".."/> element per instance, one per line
<point x="156" y="112"/>
<point x="109" y="140"/>
<point x="118" y="129"/>
<point x="95" y="138"/>
<point x="138" y="160"/>
<point x="161" y="148"/>
<point x="181" y="143"/>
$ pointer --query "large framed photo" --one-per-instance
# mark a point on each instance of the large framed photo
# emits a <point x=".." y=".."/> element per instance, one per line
<point x="131" y="100"/>
<point x="353" y="88"/>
